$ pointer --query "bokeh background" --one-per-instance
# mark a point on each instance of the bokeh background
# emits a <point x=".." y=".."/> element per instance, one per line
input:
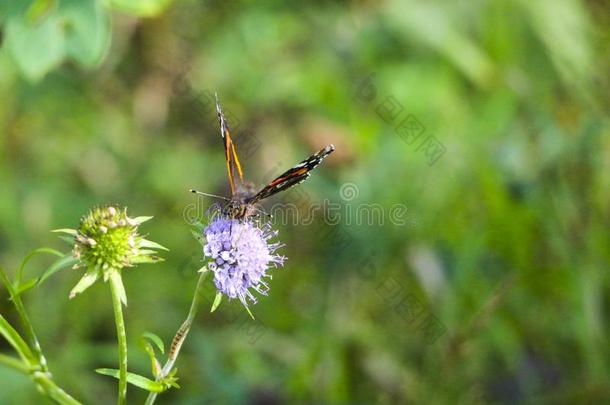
<point x="492" y="288"/>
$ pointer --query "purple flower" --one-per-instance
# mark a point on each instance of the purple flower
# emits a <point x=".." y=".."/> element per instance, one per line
<point x="240" y="254"/>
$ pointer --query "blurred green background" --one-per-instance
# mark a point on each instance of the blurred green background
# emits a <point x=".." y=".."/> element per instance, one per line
<point x="504" y="245"/>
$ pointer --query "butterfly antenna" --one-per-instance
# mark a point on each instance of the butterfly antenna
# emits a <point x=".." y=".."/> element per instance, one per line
<point x="209" y="195"/>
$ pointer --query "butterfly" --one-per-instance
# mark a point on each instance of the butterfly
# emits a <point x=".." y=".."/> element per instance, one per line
<point x="242" y="203"/>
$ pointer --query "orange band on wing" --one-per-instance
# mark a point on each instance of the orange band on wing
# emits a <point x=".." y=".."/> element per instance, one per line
<point x="237" y="164"/>
<point x="279" y="180"/>
<point x="230" y="172"/>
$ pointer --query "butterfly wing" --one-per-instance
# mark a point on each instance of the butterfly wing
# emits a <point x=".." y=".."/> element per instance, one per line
<point x="293" y="176"/>
<point x="231" y="158"/>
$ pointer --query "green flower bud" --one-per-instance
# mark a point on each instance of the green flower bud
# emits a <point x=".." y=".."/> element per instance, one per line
<point x="106" y="241"/>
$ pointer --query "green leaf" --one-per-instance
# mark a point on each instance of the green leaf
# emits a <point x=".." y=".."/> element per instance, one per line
<point x="155" y="339"/>
<point x="216" y="302"/>
<point x="87" y="25"/>
<point x="36" y="48"/>
<point x="14" y="363"/>
<point x="72" y="232"/>
<point x="142" y="8"/>
<point x="147" y="347"/>
<point x="141" y="220"/>
<point x="90" y="277"/>
<point x="134" y="379"/>
<point x="15" y="340"/>
<point x="145" y="243"/>
<point x="68" y="240"/>
<point x="155" y="366"/>
<point x="146" y="259"/>
<point x="117" y="281"/>
<point x="23" y="287"/>
<point x="63" y="263"/>
<point x="30" y="255"/>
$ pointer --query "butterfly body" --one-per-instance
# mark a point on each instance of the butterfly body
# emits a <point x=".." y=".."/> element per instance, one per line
<point x="242" y="203"/>
<point x="238" y="206"/>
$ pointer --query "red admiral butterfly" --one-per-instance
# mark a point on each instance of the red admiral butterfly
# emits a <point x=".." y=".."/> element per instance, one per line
<point x="242" y="201"/>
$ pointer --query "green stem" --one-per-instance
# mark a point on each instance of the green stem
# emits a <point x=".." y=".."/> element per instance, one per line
<point x="24" y="318"/>
<point x="121" y="337"/>
<point x="52" y="390"/>
<point x="32" y="365"/>
<point x="180" y="335"/>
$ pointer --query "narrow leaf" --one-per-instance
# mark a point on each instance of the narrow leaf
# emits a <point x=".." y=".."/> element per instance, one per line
<point x="146" y="259"/>
<point x="134" y="379"/>
<point x="72" y="232"/>
<point x="141" y="220"/>
<point x="63" y="263"/>
<point x="217" y="300"/>
<point x="23" y="287"/>
<point x="155" y="339"/>
<point x="68" y="240"/>
<point x="30" y="255"/>
<point x="145" y="243"/>
<point x="90" y="277"/>
<point x="15" y="340"/>
<point x="147" y="347"/>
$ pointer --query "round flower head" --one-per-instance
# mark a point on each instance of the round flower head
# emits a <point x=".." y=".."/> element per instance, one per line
<point x="106" y="241"/>
<point x="240" y="254"/>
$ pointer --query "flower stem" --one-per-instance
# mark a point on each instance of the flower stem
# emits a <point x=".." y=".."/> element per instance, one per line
<point x="121" y="337"/>
<point x="180" y="335"/>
